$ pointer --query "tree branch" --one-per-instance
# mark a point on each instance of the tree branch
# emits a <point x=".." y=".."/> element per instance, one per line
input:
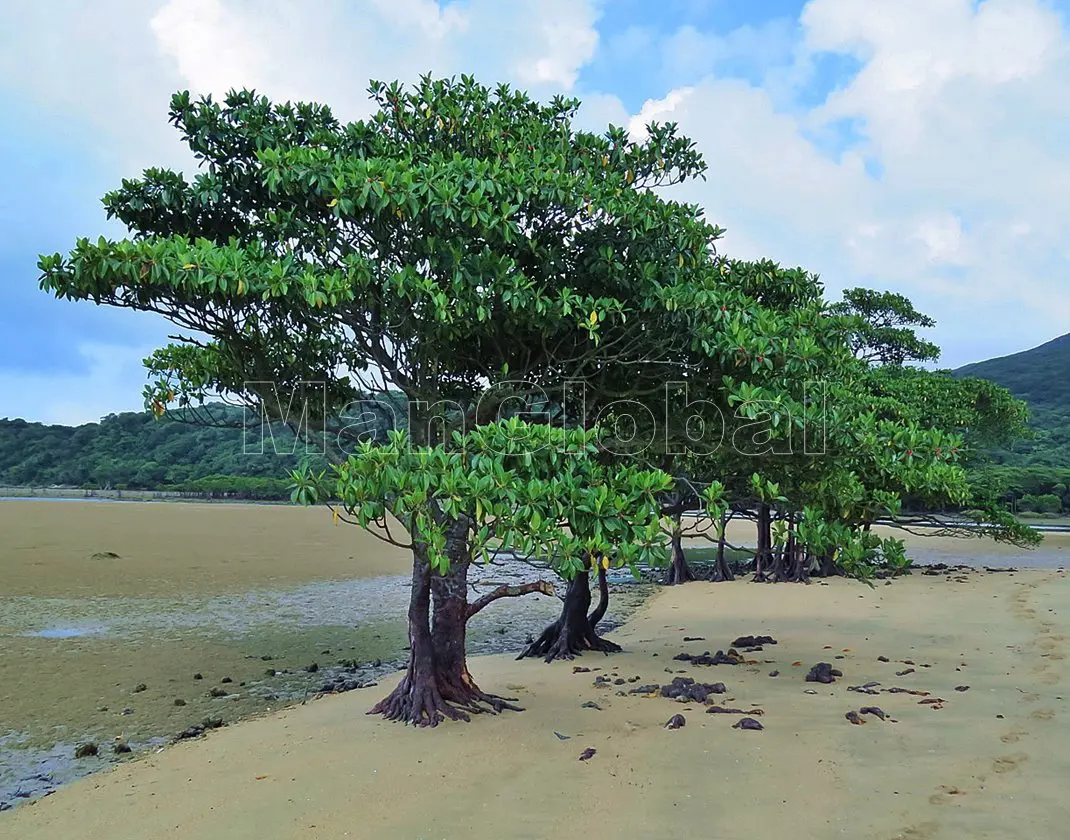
<point x="505" y="591"/>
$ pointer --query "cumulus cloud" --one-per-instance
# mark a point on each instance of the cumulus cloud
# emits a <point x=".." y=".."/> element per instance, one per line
<point x="113" y="65"/>
<point x="951" y="185"/>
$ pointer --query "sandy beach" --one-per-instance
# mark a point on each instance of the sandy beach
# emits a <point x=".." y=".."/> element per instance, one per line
<point x="987" y="762"/>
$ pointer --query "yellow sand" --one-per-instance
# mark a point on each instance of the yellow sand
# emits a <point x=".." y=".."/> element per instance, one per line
<point x="326" y="770"/>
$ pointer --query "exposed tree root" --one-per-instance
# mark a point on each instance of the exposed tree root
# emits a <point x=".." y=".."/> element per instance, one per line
<point x="574" y="632"/>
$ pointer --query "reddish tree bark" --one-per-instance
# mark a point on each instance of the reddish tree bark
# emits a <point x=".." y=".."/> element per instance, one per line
<point x="437" y="684"/>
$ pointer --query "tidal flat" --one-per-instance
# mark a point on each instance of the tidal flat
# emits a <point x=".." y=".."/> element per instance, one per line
<point x="129" y="623"/>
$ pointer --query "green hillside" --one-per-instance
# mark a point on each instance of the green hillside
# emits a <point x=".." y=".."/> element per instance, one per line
<point x="1041" y="377"/>
<point x="204" y="450"/>
<point x="1034" y="474"/>
<point x="135" y="450"/>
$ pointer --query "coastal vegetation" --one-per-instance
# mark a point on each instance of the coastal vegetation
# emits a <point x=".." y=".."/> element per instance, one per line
<point x="580" y="365"/>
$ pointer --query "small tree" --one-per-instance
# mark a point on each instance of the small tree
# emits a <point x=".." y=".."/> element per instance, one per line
<point x="508" y="485"/>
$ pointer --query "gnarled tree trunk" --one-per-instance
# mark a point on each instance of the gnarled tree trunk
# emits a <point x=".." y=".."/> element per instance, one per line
<point x="574" y="632"/>
<point x="437" y="684"/>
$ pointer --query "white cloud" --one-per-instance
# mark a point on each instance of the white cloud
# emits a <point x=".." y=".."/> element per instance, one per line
<point x="963" y="106"/>
<point x="67" y="61"/>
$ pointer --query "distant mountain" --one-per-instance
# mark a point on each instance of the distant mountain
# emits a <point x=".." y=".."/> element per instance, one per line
<point x="1041" y="377"/>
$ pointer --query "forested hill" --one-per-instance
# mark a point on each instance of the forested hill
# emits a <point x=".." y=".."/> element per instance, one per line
<point x="1041" y="377"/>
<point x="136" y="450"/>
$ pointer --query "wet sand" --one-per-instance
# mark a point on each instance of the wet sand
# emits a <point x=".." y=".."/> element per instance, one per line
<point x="987" y="762"/>
<point x="54" y="549"/>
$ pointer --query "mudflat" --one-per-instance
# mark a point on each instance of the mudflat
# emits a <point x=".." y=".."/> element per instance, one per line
<point x="974" y="742"/>
<point x="70" y="548"/>
<point x="99" y="600"/>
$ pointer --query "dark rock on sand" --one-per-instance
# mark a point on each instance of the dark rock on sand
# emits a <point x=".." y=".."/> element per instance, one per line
<point x="179" y="701"/>
<point x="199" y="729"/>
<point x="752" y="641"/>
<point x="725" y="710"/>
<point x="687" y="689"/>
<point x="719" y="658"/>
<point x="823" y="672"/>
<point x="962" y="688"/>
<point x="590" y="704"/>
<point x="87" y="750"/>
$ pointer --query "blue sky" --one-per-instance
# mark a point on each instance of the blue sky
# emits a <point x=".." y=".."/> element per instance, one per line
<point x="918" y="145"/>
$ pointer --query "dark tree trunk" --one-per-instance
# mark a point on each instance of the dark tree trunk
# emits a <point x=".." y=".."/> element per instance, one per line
<point x="798" y="560"/>
<point x="779" y="558"/>
<point x="721" y="570"/>
<point x="574" y="632"/>
<point x="437" y="683"/>
<point x="449" y="594"/>
<point x="764" y="549"/>
<point x="828" y="564"/>
<point x="679" y="570"/>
